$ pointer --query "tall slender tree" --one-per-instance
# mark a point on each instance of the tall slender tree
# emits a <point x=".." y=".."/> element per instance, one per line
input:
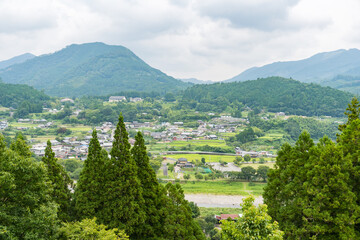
<point x="178" y="221"/>
<point x="122" y="191"/>
<point x="151" y="190"/>
<point x="90" y="188"/>
<point x="19" y="145"/>
<point x="60" y="182"/>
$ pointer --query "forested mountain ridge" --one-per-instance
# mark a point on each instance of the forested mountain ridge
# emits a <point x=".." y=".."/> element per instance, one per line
<point x="90" y="69"/>
<point x="339" y="69"/>
<point x="15" y="60"/>
<point x="275" y="94"/>
<point x="13" y="95"/>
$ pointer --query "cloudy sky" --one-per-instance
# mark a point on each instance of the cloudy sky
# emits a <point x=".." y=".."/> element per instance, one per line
<point x="206" y="39"/>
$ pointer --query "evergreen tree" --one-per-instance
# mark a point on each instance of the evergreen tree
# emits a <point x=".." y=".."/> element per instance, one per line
<point x="90" y="188"/>
<point x="310" y="192"/>
<point x="122" y="191"/>
<point x="20" y="146"/>
<point x="179" y="223"/>
<point x="26" y="208"/>
<point x="151" y="190"/>
<point x="60" y="182"/>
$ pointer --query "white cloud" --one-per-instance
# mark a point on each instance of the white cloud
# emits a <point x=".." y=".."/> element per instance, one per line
<point x="212" y="39"/>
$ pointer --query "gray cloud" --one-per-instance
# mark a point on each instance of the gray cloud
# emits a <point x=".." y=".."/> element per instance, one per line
<point x="258" y="14"/>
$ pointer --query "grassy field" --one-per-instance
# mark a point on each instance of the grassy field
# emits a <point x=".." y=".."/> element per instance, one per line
<point x="222" y="187"/>
<point x="217" y="211"/>
<point x="192" y="143"/>
<point x="208" y="158"/>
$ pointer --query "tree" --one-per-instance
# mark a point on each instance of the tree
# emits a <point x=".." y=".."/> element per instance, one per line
<point x="187" y="176"/>
<point x="89" y="229"/>
<point x="248" y="172"/>
<point x="310" y="191"/>
<point x="195" y="210"/>
<point x="254" y="223"/>
<point x="150" y="188"/>
<point x="178" y="221"/>
<point x="262" y="172"/>
<point x="90" y="188"/>
<point x="247" y="158"/>
<point x="203" y="160"/>
<point x="60" y="182"/>
<point x="122" y="191"/>
<point x="26" y="208"/>
<point x="20" y="146"/>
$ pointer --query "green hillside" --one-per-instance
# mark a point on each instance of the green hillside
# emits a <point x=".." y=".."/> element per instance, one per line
<point x="90" y="69"/>
<point x="275" y="94"/>
<point x="13" y="95"/>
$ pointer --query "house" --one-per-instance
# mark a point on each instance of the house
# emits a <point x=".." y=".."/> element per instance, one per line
<point x="227" y="216"/>
<point x="135" y="99"/>
<point x="117" y="98"/>
<point x="183" y="162"/>
<point x="3" y="125"/>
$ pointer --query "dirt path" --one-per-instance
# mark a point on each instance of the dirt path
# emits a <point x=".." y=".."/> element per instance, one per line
<point x="225" y="201"/>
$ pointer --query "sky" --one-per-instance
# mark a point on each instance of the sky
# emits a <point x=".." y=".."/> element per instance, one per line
<point x="204" y="39"/>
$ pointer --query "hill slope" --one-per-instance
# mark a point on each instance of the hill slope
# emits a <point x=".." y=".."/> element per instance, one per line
<point x="275" y="94"/>
<point x="337" y="69"/>
<point x="15" y="60"/>
<point x="90" y="69"/>
<point x="13" y="95"/>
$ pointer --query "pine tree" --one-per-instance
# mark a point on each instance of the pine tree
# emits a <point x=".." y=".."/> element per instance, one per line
<point x="178" y="221"/>
<point x="122" y="191"/>
<point x="90" y="188"/>
<point x="151" y="190"/>
<point x="60" y="182"/>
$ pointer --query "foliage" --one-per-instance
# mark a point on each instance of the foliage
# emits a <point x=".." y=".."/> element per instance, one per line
<point x="26" y="208"/>
<point x="123" y="208"/>
<point x="21" y="96"/>
<point x="178" y="221"/>
<point x="60" y="182"/>
<point x="254" y="224"/>
<point x="89" y="191"/>
<point x="275" y="94"/>
<point x="89" y="229"/>
<point x="195" y="210"/>
<point x="310" y="191"/>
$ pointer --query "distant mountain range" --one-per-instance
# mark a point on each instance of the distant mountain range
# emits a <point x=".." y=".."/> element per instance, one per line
<point x="339" y="69"/>
<point x="195" y="81"/>
<point x="15" y="60"/>
<point x="90" y="69"/>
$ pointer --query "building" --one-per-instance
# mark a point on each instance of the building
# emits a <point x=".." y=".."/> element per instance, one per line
<point x="135" y="99"/>
<point x="117" y="98"/>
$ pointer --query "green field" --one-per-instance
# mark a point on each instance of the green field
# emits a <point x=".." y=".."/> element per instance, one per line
<point x="208" y="158"/>
<point x="192" y="143"/>
<point x="222" y="187"/>
<point x="217" y="211"/>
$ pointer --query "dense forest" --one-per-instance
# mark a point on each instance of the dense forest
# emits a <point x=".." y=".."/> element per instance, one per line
<point x="275" y="94"/>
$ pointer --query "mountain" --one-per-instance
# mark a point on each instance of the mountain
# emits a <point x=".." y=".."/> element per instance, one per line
<point x="339" y="69"/>
<point x="15" y="60"/>
<point x="90" y="69"/>
<point x="275" y="94"/>
<point x="195" y="81"/>
<point x="13" y="95"/>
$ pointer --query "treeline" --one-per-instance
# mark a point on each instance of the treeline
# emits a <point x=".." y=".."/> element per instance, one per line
<point x="274" y="94"/>
<point x="313" y="191"/>
<point x="24" y="98"/>
<point x="116" y="197"/>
